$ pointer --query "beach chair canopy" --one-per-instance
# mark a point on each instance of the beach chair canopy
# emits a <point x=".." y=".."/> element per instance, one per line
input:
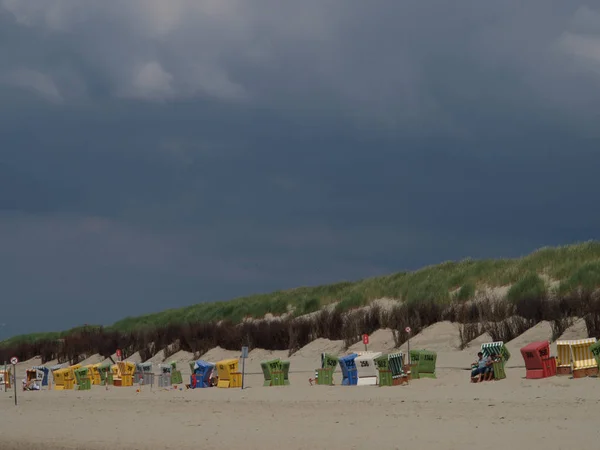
<point x="145" y="367"/>
<point x="497" y="348"/>
<point x="226" y="367"/>
<point x="43" y="374"/>
<point x="365" y="364"/>
<point x="348" y="361"/>
<point x="273" y="365"/>
<point x="165" y="368"/>
<point x="126" y="368"/>
<point x="202" y="366"/>
<point x="382" y="362"/>
<point x="105" y="366"/>
<point x="202" y="371"/>
<point x="328" y="361"/>
<point x="535" y="353"/>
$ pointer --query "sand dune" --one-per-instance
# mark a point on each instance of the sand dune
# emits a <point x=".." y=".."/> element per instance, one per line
<point x="93" y="359"/>
<point x="439" y="337"/>
<point x="540" y="332"/>
<point x="475" y="344"/>
<point x="318" y="346"/>
<point x="180" y="357"/>
<point x="157" y="358"/>
<point x="219" y="354"/>
<point x="135" y="358"/>
<point x="263" y="355"/>
<point x="36" y="361"/>
<point x="379" y="341"/>
<point x="576" y="331"/>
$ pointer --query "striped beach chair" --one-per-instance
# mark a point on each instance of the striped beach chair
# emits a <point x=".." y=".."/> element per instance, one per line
<point x="497" y="348"/>
<point x="396" y="365"/>
<point x="563" y="357"/>
<point x="576" y="357"/>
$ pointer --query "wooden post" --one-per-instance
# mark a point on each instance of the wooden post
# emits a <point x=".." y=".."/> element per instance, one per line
<point x="15" y="378"/>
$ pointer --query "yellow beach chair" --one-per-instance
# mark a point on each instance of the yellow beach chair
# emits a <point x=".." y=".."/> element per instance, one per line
<point x="229" y="374"/>
<point x="125" y="371"/>
<point x="584" y="362"/>
<point x="575" y="356"/>
<point x="95" y="373"/>
<point x="563" y="358"/>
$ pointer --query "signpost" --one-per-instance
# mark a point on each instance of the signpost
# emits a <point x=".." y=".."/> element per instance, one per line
<point x="5" y="375"/>
<point x="14" y="360"/>
<point x="408" y="330"/>
<point x="366" y="340"/>
<point x="244" y="356"/>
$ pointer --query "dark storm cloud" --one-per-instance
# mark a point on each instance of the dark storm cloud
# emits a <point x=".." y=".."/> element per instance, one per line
<point x="156" y="154"/>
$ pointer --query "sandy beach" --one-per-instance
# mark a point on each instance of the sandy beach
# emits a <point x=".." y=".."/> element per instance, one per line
<point x="445" y="413"/>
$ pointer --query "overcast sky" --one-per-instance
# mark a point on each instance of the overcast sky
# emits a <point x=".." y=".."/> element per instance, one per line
<point x="157" y="154"/>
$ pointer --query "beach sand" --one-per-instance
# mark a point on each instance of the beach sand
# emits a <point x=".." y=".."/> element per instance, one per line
<point x="446" y="413"/>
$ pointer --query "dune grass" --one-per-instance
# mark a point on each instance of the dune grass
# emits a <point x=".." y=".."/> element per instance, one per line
<point x="48" y="336"/>
<point x="574" y="267"/>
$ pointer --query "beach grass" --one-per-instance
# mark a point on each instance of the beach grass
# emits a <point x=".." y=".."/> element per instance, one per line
<point x="570" y="268"/>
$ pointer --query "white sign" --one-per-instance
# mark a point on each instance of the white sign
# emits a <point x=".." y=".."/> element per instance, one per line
<point x="244" y="352"/>
<point x="407" y="329"/>
<point x="14" y="360"/>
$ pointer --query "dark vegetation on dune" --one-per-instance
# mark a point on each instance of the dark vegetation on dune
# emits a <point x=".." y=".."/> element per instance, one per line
<point x="503" y="320"/>
<point x="452" y="291"/>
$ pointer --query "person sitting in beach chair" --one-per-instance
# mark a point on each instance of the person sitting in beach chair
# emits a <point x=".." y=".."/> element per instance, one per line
<point x="480" y="369"/>
<point x="30" y="385"/>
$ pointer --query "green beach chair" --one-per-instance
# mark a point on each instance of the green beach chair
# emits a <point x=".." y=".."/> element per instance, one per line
<point x="424" y="362"/>
<point x="176" y="377"/>
<point x="595" y="349"/>
<point x="384" y="371"/>
<point x="396" y="365"/>
<point x="286" y="372"/>
<point x="266" y="373"/>
<point x="83" y="381"/>
<point x="497" y="348"/>
<point x="106" y="375"/>
<point x="324" y="375"/>
<point x="273" y="372"/>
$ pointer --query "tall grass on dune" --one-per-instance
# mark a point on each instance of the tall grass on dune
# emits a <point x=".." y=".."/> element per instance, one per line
<point x="552" y="284"/>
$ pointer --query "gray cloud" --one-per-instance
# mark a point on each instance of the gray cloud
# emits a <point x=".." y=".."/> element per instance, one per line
<point x="159" y="154"/>
<point x="405" y="63"/>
